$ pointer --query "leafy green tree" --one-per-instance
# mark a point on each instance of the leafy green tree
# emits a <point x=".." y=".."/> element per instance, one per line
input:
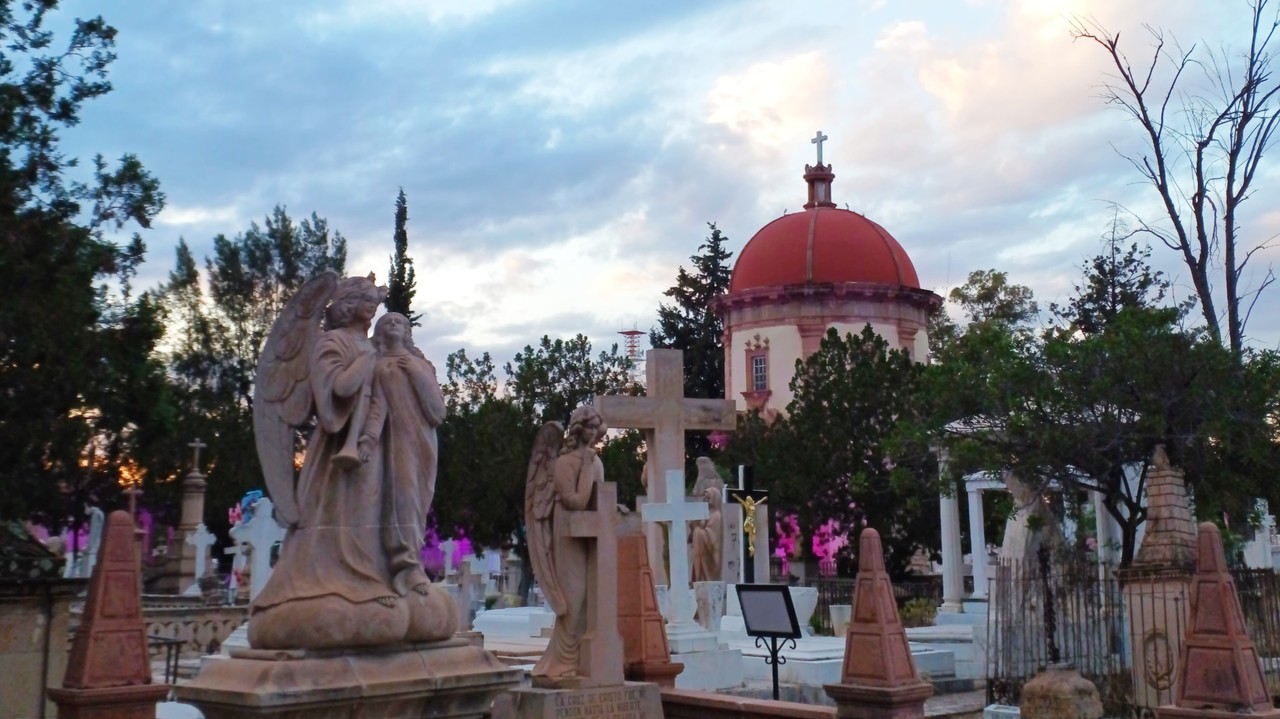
<point x="401" y="285"/>
<point x="217" y="339"/>
<point x="488" y="434"/>
<point x="485" y="442"/>
<point x="83" y="394"/>
<point x="988" y="298"/>
<point x="549" y="382"/>
<point x="689" y="324"/>
<point x="1082" y="405"/>
<point x="848" y="399"/>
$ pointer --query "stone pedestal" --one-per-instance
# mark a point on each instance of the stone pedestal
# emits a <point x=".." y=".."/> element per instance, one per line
<point x="628" y="701"/>
<point x="193" y="488"/>
<point x="878" y="678"/>
<point x="1220" y="674"/>
<point x="865" y="702"/>
<point x="1157" y="585"/>
<point x="452" y="678"/>
<point x="135" y="702"/>
<point x="109" y="671"/>
<point x="710" y="598"/>
<point x="1059" y="692"/>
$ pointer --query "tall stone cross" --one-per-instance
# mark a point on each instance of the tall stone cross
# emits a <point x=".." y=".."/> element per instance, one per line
<point x="200" y="540"/>
<point x="191" y="563"/>
<point x="600" y="652"/>
<point x="665" y="414"/>
<point x="678" y="512"/>
<point x="196" y="446"/>
<point x="818" y="139"/>
<point x="754" y="567"/>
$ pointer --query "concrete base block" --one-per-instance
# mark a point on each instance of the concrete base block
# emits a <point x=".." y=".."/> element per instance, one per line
<point x="716" y="669"/>
<point x="451" y="678"/>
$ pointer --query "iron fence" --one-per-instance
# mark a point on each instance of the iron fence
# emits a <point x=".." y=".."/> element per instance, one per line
<point x="839" y="590"/>
<point x="1124" y="636"/>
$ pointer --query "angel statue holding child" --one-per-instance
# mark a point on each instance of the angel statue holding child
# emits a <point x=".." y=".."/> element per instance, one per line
<point x="349" y="572"/>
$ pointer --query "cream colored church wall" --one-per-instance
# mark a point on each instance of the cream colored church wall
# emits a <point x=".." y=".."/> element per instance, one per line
<point x="784" y="350"/>
<point x="919" y="348"/>
<point x="884" y="329"/>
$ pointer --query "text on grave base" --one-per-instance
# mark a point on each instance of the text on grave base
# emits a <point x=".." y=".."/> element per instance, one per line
<point x="623" y="703"/>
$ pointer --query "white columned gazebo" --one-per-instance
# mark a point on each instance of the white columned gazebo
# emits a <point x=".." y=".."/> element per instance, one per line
<point x="953" y="594"/>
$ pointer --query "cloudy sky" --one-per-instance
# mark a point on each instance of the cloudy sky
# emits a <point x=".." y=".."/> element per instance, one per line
<point x="561" y="159"/>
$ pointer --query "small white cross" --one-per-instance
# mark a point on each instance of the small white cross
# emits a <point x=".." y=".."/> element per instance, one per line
<point x="817" y="140"/>
<point x="678" y="512"/>
<point x="201" y="539"/>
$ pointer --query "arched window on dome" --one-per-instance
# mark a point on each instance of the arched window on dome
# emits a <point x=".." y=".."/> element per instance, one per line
<point x="757" y="389"/>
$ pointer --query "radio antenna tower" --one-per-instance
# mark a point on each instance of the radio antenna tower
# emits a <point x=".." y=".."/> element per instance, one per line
<point x="632" y="341"/>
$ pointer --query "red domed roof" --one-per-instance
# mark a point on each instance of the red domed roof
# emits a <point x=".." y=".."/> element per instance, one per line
<point x="822" y="244"/>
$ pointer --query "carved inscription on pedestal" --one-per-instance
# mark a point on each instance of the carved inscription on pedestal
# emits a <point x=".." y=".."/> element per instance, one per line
<point x="619" y="703"/>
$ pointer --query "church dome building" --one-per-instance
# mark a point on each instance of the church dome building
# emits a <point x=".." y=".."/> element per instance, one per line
<point x="804" y="273"/>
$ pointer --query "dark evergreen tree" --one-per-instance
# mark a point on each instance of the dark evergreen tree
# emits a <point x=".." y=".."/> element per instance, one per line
<point x="401" y="285"/>
<point x="689" y="325"/>
<point x="83" y="395"/>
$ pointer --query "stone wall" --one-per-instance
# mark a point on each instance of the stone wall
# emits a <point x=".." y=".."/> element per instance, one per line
<point x="199" y="628"/>
<point x="34" y="619"/>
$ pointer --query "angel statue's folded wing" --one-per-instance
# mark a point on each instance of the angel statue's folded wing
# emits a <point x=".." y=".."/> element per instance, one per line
<point x="539" y="502"/>
<point x="282" y="396"/>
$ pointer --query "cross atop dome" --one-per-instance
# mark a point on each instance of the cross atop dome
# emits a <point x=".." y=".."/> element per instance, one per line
<point x="818" y="140"/>
<point x="819" y="178"/>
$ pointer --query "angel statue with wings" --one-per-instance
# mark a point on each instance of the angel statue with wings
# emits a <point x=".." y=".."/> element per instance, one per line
<point x="563" y="474"/>
<point x="342" y="578"/>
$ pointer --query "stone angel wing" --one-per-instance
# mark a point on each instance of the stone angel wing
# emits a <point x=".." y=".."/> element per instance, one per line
<point x="539" y="505"/>
<point x="539" y="490"/>
<point x="282" y="396"/>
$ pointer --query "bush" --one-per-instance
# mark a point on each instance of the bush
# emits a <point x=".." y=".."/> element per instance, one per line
<point x="918" y="612"/>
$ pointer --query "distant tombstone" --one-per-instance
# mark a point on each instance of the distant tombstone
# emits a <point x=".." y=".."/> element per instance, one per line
<point x="201" y="539"/>
<point x="80" y="564"/>
<point x="447" y="547"/>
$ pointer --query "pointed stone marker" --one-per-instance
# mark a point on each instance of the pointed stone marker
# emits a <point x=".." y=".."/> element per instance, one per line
<point x="1219" y="674"/>
<point x="646" y="655"/>
<point x="879" y="678"/>
<point x="109" y="669"/>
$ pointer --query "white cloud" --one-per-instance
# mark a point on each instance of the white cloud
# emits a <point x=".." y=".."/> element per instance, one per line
<point x="180" y="216"/>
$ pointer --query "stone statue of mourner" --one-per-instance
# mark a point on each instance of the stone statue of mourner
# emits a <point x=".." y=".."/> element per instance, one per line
<point x="355" y="513"/>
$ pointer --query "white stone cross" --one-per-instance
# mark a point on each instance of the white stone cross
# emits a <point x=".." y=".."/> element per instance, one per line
<point x="447" y="546"/>
<point x="818" y="140"/>
<point x="261" y="534"/>
<point x="678" y="512"/>
<point x="201" y="539"/>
